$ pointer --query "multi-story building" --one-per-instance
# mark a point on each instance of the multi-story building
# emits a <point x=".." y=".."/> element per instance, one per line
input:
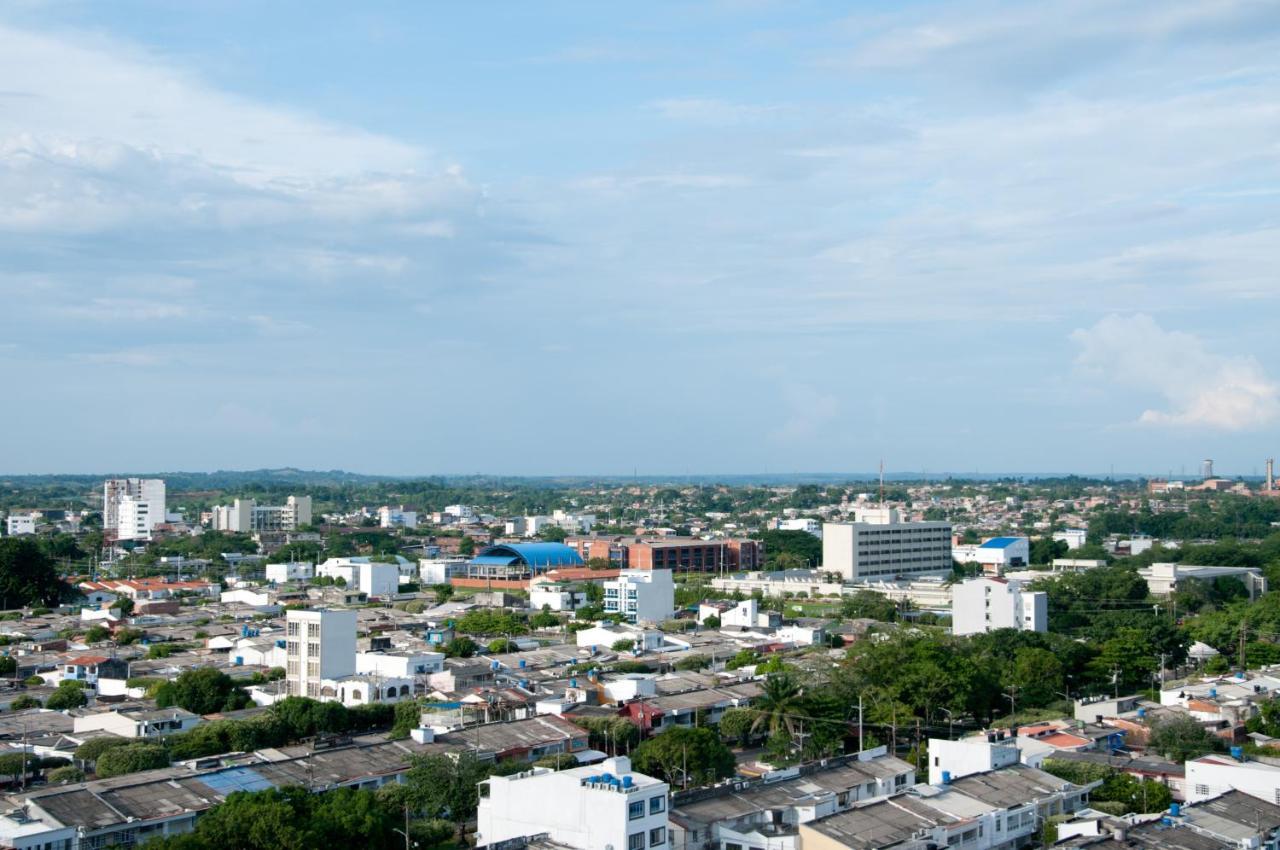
<point x="389" y="517"/>
<point x="682" y="554"/>
<point x="247" y="516"/>
<point x="986" y="604"/>
<point x="878" y="545"/>
<point x="605" y="805"/>
<point x="132" y="507"/>
<point x="321" y="644"/>
<point x="995" y="555"/>
<point x="641" y="596"/>
<point x="16" y="524"/>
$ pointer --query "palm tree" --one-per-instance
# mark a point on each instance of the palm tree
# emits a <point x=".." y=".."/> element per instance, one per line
<point x="778" y="704"/>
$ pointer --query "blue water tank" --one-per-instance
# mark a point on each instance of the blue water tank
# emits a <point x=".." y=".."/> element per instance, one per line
<point x="493" y="665"/>
<point x="573" y="683"/>
<point x="524" y="683"/>
<point x="606" y="778"/>
<point x="522" y="663"/>
<point x="1175" y="810"/>
<point x="239" y="661"/>
<point x="1142" y="712"/>
<point x="946" y="777"/>
<point x="626" y="782"/>
<point x="1237" y="753"/>
<point x="1213" y="693"/>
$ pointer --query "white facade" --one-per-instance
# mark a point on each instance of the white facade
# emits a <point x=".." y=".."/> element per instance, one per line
<point x="555" y="597"/>
<point x="1073" y="537"/>
<point x="1209" y="776"/>
<point x="360" y="573"/>
<point x="246" y="515"/>
<point x="986" y="604"/>
<point x="402" y="665"/>
<point x="389" y="517"/>
<point x="588" y="808"/>
<point x="321" y="645"/>
<point x="132" y="507"/>
<point x="997" y="554"/>
<point x="642" y="596"/>
<point x="290" y="571"/>
<point x="812" y="526"/>
<point x="880" y="545"/>
<point x="1163" y="578"/>
<point x="975" y="754"/>
<point x="439" y="570"/>
<point x="16" y="524"/>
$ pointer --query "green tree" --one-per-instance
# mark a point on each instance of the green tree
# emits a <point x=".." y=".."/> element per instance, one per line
<point x="91" y="749"/>
<point x="28" y="575"/>
<point x="97" y="634"/>
<point x="777" y="706"/>
<point x="1180" y="738"/>
<point x="204" y="690"/>
<point x="68" y="695"/>
<point x="66" y="774"/>
<point x="693" y="662"/>
<point x="737" y="725"/>
<point x="466" y="546"/>
<point x="685" y="756"/>
<point x="12" y="765"/>
<point x="553" y="534"/>
<point x="623" y="645"/>
<point x="131" y="759"/>
<point x="24" y="702"/>
<point x="460" y="647"/>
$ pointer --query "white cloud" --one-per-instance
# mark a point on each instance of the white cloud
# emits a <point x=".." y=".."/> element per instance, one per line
<point x="1202" y="389"/>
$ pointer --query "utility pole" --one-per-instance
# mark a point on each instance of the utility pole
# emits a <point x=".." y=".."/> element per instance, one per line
<point x="860" y="746"/>
<point x="1243" y="632"/>
<point x="1013" y="700"/>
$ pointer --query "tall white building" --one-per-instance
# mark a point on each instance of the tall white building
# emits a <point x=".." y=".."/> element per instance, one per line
<point x="880" y="545"/>
<point x="588" y="808"/>
<point x="986" y="604"/>
<point x="247" y="516"/>
<point x="642" y="596"/>
<point x="132" y="507"/>
<point x="320" y="644"/>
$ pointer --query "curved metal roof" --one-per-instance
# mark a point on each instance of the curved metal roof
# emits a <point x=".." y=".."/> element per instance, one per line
<point x="539" y="556"/>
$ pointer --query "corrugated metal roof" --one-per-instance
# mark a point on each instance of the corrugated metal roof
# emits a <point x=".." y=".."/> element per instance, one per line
<point x="1001" y="542"/>
<point x="536" y="555"/>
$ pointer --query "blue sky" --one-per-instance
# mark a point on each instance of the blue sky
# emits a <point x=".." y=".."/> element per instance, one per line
<point x="575" y="238"/>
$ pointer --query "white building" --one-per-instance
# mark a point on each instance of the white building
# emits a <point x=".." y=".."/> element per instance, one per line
<point x="321" y="645"/>
<point x="812" y="526"/>
<point x="880" y="545"/>
<point x="247" y="516"/>
<point x="1163" y="579"/>
<point x="977" y="753"/>
<point x="16" y="524"/>
<point x="1073" y="537"/>
<point x="642" y="596"/>
<point x="588" y="808"/>
<point x="132" y="507"/>
<point x="555" y="596"/>
<point x="744" y="615"/>
<point x="986" y="604"/>
<point x="440" y="570"/>
<point x="139" y="723"/>
<point x="1209" y="776"/>
<point x="373" y="578"/>
<point x="400" y="664"/>
<point x="290" y="571"/>
<point x="389" y="517"/>
<point x="996" y="555"/>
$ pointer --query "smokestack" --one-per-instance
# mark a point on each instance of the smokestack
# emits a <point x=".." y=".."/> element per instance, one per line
<point x="1271" y="473"/>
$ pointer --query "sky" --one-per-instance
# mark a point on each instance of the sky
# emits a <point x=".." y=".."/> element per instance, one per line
<point x="737" y="236"/>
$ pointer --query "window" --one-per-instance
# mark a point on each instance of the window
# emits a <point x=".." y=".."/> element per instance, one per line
<point x="657" y="804"/>
<point x="313" y="630"/>
<point x="657" y="836"/>
<point x="293" y="629"/>
<point x="1202" y="789"/>
<point x="636" y="841"/>
<point x="636" y="811"/>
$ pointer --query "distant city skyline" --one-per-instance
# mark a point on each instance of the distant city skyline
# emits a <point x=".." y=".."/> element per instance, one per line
<point x="713" y="238"/>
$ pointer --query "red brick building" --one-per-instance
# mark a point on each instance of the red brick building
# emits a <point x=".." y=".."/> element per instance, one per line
<point x="681" y="554"/>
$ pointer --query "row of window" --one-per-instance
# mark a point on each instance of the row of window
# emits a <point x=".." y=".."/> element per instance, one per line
<point x="657" y="838"/>
<point x="636" y="809"/>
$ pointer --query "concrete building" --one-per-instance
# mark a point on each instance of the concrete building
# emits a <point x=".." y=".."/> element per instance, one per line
<point x="811" y="526"/>
<point x="18" y="524"/>
<point x="977" y="753"/>
<point x="1164" y="579"/>
<point x="880" y="545"/>
<point x="132" y="507"/>
<point x="641" y="596"/>
<point x="139" y="723"/>
<point x="321" y="644"/>
<point x="995" y="555"/>
<point x="389" y="517"/>
<point x="1211" y="775"/>
<point x="586" y="808"/>
<point x="1073" y="537"/>
<point x="247" y="516"/>
<point x="373" y="578"/>
<point x="440" y="570"/>
<point x="290" y="571"/>
<point x="400" y="664"/>
<point x="555" y="596"/>
<point x="986" y="604"/>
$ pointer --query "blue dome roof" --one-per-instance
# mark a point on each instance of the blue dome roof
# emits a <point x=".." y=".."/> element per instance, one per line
<point x="538" y="556"/>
